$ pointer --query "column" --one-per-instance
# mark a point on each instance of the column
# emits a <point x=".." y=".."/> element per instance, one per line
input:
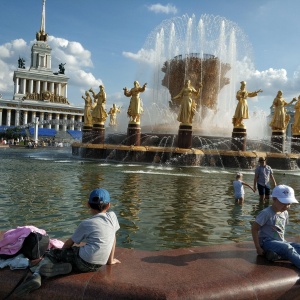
<point x="0" y="116"/>
<point x="49" y="119"/>
<point x="23" y="86"/>
<point x="65" y="120"/>
<point x="66" y="91"/>
<point x="59" y="89"/>
<point x="52" y="87"/>
<point x="57" y="122"/>
<point x="41" y="123"/>
<point x="17" y="118"/>
<point x="36" y="130"/>
<point x="17" y="85"/>
<point x="33" y="116"/>
<point x="72" y="122"/>
<point x="8" y="117"/>
<point x="44" y="86"/>
<point x="25" y="115"/>
<point x="79" y="127"/>
<point x="31" y="86"/>
<point x="38" y="86"/>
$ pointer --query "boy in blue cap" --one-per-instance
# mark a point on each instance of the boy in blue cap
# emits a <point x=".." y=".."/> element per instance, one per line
<point x="99" y="234"/>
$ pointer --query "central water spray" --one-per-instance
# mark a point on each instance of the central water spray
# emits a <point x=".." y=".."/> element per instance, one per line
<point x="205" y="50"/>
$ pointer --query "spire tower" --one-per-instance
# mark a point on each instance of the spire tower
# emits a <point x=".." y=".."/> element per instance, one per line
<point x="42" y="35"/>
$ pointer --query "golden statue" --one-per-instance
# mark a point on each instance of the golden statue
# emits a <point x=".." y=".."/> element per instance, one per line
<point x="187" y="103"/>
<point x="113" y="115"/>
<point x="280" y="118"/>
<point x="99" y="113"/>
<point x="135" y="107"/>
<point x="296" y="125"/>
<point x="241" y="111"/>
<point x="88" y="121"/>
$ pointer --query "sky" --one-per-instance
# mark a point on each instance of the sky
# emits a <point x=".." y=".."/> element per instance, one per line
<point x="103" y="42"/>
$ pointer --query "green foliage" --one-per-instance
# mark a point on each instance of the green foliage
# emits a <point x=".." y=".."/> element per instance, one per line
<point x="11" y="133"/>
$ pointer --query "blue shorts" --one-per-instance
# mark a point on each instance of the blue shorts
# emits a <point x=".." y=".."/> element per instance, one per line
<point x="263" y="190"/>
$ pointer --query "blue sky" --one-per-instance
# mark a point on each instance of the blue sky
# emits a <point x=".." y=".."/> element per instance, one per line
<point x="101" y="41"/>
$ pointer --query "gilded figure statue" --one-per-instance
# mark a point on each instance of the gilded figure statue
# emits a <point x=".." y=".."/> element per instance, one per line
<point x="296" y="125"/>
<point x="99" y="113"/>
<point x="135" y="106"/>
<point x="88" y="106"/>
<point x="280" y="118"/>
<point x="241" y="111"/>
<point x="113" y="115"/>
<point x="187" y="103"/>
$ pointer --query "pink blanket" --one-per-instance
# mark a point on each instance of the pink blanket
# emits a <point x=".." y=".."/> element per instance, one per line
<point x="13" y="239"/>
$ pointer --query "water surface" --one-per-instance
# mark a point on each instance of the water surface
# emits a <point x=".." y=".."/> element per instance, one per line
<point x="159" y="207"/>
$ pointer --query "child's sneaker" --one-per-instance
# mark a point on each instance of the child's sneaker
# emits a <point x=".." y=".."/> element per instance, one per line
<point x="50" y="270"/>
<point x="272" y="256"/>
<point x="32" y="283"/>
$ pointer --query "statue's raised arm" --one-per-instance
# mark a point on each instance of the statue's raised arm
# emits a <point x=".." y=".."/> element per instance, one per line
<point x="241" y="111"/>
<point x="135" y="107"/>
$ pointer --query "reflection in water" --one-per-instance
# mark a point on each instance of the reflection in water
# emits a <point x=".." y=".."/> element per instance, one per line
<point x="158" y="207"/>
<point x="129" y="207"/>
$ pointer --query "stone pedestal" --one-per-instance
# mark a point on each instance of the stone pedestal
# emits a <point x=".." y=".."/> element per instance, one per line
<point x="278" y="141"/>
<point x="98" y="134"/>
<point x="185" y="136"/>
<point x="133" y="135"/>
<point x="239" y="139"/>
<point x="295" y="145"/>
<point x="87" y="134"/>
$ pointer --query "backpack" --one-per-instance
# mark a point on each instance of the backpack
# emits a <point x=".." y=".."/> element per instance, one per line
<point x="35" y="245"/>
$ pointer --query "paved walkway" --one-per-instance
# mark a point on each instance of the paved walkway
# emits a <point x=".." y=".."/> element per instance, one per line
<point x="231" y="271"/>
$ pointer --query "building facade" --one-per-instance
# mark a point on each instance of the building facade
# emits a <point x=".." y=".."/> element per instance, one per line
<point x="40" y="93"/>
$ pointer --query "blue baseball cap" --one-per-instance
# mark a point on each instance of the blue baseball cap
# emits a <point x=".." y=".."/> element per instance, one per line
<point x="99" y="196"/>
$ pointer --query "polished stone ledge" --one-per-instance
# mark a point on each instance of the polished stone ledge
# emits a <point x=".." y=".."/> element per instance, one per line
<point x="230" y="271"/>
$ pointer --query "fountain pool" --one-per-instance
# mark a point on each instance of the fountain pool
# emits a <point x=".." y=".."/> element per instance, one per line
<point x="158" y="206"/>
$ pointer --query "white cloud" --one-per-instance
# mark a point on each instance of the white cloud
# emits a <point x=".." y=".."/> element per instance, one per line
<point x="146" y="56"/>
<point x="71" y="53"/>
<point x="165" y="9"/>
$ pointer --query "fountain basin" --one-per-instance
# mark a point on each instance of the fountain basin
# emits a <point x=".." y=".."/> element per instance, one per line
<point x="185" y="157"/>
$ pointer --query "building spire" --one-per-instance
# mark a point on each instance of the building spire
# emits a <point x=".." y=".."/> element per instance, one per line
<point x="43" y="18"/>
<point x="42" y="35"/>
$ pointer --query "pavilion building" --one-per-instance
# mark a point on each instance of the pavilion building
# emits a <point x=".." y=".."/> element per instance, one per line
<point x="40" y="93"/>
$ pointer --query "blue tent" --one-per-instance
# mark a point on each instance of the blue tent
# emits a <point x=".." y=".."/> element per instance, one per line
<point x="4" y="127"/>
<point x="75" y="134"/>
<point x="43" y="131"/>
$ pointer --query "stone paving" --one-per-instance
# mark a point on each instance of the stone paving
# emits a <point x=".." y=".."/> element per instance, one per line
<point x="230" y="271"/>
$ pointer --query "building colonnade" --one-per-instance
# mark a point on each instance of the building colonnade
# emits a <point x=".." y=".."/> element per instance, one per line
<point x="60" y="121"/>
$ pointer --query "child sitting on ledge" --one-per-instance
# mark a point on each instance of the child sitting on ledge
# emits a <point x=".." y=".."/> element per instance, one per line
<point x="99" y="234"/>
<point x="269" y="228"/>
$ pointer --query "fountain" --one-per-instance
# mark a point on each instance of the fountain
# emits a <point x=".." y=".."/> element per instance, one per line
<point x="205" y="53"/>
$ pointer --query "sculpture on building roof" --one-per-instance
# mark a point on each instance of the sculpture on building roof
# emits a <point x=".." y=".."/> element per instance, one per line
<point x="21" y="63"/>
<point x="61" y="68"/>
